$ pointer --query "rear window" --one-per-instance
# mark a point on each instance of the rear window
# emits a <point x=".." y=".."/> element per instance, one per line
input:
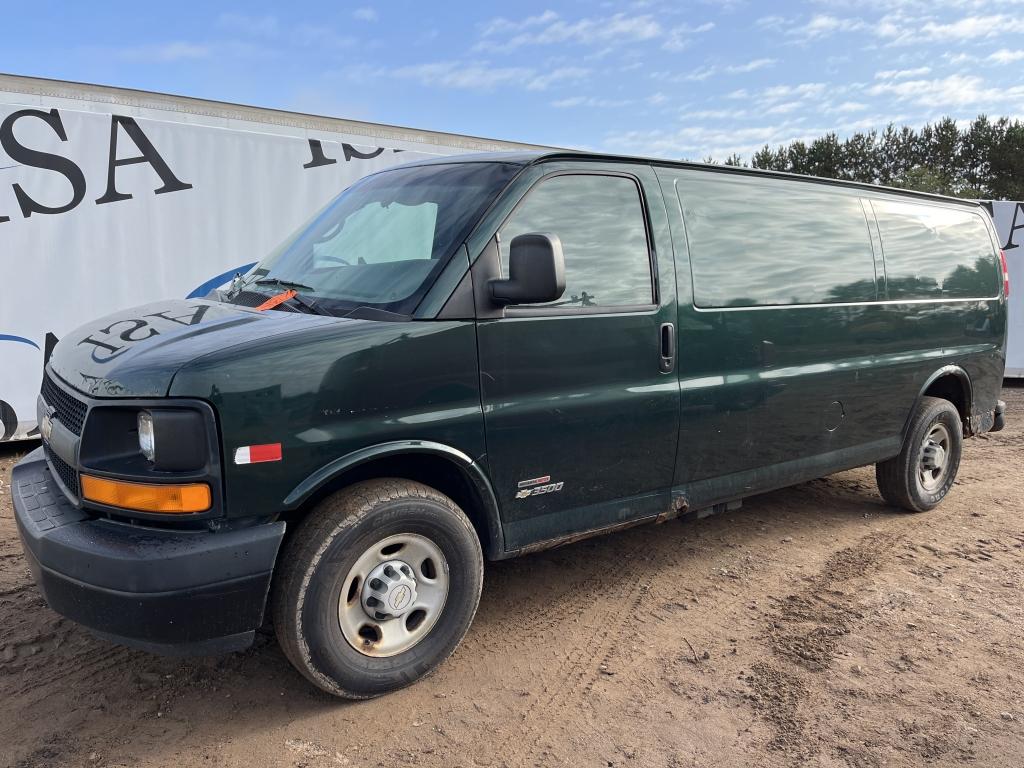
<point x="933" y="251"/>
<point x="768" y="243"/>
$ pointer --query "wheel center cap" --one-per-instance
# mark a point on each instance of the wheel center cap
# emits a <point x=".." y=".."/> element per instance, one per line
<point x="389" y="591"/>
<point x="934" y="456"/>
<point x="399" y="598"/>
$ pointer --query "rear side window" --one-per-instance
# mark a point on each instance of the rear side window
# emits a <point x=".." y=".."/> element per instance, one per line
<point x="933" y="252"/>
<point x="600" y="221"/>
<point x="766" y="243"/>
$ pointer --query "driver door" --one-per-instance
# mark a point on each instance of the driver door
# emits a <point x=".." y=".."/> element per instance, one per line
<point x="581" y="407"/>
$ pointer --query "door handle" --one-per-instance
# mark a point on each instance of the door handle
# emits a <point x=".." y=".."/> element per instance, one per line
<point x="668" y="347"/>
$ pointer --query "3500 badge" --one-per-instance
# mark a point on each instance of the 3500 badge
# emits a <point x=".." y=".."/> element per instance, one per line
<point x="537" y="486"/>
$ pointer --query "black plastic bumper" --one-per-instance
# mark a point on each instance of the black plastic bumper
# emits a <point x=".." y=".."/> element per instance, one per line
<point x="167" y="591"/>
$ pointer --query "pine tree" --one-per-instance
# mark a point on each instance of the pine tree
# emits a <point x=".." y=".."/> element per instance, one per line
<point x="825" y="156"/>
<point x="983" y="160"/>
<point x="1006" y="177"/>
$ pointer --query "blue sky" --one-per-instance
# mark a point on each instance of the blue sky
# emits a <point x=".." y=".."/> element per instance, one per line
<point x="674" y="79"/>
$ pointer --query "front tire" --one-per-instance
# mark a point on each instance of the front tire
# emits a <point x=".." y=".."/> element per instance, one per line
<point x="377" y="587"/>
<point x="924" y="471"/>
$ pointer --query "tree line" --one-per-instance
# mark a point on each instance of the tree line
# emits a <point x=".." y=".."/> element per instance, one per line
<point x="984" y="160"/>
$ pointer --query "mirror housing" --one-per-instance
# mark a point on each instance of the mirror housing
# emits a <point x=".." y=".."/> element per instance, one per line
<point x="536" y="271"/>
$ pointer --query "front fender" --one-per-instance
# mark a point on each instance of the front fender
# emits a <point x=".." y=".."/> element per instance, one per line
<point x="494" y="547"/>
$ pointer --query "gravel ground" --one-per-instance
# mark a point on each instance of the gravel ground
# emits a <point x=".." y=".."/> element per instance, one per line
<point x="812" y="627"/>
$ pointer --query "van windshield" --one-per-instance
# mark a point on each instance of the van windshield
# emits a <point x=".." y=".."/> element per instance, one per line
<point x="383" y="240"/>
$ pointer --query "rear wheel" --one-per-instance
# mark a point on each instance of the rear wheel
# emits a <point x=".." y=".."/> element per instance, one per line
<point x="377" y="587"/>
<point x="924" y="471"/>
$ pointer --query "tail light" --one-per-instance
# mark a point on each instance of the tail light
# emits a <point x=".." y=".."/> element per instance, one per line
<point x="1006" y="274"/>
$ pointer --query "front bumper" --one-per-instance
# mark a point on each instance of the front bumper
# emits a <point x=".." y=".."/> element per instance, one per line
<point x="166" y="591"/>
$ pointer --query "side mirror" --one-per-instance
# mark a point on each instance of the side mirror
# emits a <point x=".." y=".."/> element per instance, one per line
<point x="536" y="271"/>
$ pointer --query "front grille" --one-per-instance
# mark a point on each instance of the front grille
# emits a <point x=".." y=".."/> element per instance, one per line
<point x="64" y="471"/>
<point x="69" y="410"/>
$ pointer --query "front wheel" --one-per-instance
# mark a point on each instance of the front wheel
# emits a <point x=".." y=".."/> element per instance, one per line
<point x="377" y="587"/>
<point x="922" y="474"/>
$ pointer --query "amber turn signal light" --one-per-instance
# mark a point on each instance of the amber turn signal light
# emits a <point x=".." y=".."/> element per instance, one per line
<point x="147" y="497"/>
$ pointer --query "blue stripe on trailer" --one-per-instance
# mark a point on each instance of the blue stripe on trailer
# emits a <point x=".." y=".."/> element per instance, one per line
<point x="22" y="339"/>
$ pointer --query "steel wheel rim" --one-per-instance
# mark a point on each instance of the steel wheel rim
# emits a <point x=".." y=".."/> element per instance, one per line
<point x="417" y="595"/>
<point x="933" y="461"/>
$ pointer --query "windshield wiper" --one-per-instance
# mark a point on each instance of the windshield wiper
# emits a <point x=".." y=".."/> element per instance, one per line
<point x="289" y="285"/>
<point x="286" y="284"/>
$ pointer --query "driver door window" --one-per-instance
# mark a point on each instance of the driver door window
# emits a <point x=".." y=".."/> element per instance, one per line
<point x="600" y="221"/>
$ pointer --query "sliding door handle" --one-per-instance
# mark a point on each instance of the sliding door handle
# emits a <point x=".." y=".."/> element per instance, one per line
<point x="668" y="347"/>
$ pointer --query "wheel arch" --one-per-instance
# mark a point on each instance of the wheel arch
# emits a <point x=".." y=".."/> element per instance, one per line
<point x="440" y="466"/>
<point x="950" y="382"/>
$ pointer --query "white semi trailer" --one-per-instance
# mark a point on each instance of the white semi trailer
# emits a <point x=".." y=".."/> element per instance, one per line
<point x="111" y="198"/>
<point x="1009" y="220"/>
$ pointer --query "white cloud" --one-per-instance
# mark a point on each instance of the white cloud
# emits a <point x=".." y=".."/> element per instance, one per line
<point x="679" y="37"/>
<point x="713" y="114"/>
<point x="703" y="73"/>
<point x="900" y="29"/>
<point x="972" y="27"/>
<point x="784" y="108"/>
<point x="958" y="58"/>
<point x="771" y="22"/>
<point x="365" y="13"/>
<point x="751" y="66"/>
<point x="541" y="82"/>
<point x="1005" y="56"/>
<point x="947" y="92"/>
<point x="481" y="76"/>
<point x="901" y="74"/>
<point x="549" y="28"/>
<point x="501" y="25"/>
<point x="718" y="141"/>
<point x="850" y="106"/>
<point x="823" y="25"/>
<point x="590" y="101"/>
<point x="698" y="75"/>
<point x="799" y="91"/>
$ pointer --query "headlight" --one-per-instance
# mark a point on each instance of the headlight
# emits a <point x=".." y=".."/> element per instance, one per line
<point x="147" y="436"/>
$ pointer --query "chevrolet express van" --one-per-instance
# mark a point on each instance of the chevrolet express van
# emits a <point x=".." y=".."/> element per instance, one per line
<point x="479" y="357"/>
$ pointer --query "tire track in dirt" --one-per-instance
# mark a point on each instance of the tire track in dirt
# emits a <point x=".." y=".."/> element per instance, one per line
<point x="807" y="625"/>
<point x="613" y="595"/>
<point x="804" y="632"/>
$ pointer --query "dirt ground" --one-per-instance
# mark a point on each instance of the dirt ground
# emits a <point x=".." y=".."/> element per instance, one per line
<point x="814" y="626"/>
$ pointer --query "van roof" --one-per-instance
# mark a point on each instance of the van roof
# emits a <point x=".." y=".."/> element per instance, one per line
<point x="531" y="157"/>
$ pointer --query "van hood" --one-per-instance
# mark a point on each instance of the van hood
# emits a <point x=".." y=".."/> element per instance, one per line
<point x="136" y="352"/>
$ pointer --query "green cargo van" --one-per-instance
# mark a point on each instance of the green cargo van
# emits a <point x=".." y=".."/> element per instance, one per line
<point x="479" y="357"/>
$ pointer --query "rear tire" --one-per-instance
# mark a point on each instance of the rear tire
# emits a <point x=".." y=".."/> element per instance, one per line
<point x="334" y="581"/>
<point x="924" y="471"/>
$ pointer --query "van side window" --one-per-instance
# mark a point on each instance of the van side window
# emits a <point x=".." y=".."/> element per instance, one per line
<point x="756" y="243"/>
<point x="935" y="252"/>
<point x="600" y="221"/>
